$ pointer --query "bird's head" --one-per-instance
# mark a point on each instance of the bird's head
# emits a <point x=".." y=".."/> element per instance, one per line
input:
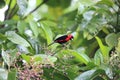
<point x="70" y="36"/>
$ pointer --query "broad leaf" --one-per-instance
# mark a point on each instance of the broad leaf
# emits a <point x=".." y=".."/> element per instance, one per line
<point x="15" y="38"/>
<point x="86" y="75"/>
<point x="34" y="27"/>
<point x="104" y="49"/>
<point x="47" y="31"/>
<point x="9" y="56"/>
<point x="77" y="57"/>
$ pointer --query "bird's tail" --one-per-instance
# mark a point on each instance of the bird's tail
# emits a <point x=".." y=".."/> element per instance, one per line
<point x="51" y="44"/>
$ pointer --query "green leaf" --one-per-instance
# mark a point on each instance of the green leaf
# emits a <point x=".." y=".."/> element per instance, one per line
<point x="9" y="22"/>
<point x="77" y="57"/>
<point x="90" y="74"/>
<point x="31" y="4"/>
<point x="47" y="31"/>
<point x="107" y="2"/>
<point x="9" y="56"/>
<point x="98" y="58"/>
<point x="111" y="40"/>
<point x="3" y="74"/>
<point x="2" y="38"/>
<point x="40" y="58"/>
<point x="6" y="57"/>
<point x="108" y="70"/>
<point x="104" y="49"/>
<point x="12" y="75"/>
<point x="47" y="59"/>
<point x="21" y="26"/>
<point x="88" y="2"/>
<point x="27" y="58"/>
<point x="86" y="75"/>
<point x="15" y="38"/>
<point x="72" y="71"/>
<point x="34" y="27"/>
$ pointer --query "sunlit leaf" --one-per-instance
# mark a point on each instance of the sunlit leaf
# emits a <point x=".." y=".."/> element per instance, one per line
<point x="41" y="58"/>
<point x="104" y="49"/>
<point x="34" y="27"/>
<point x="15" y="38"/>
<point x="47" y="59"/>
<point x="47" y="31"/>
<point x="77" y="57"/>
<point x="86" y="75"/>
<point x="107" y="2"/>
<point x="27" y="58"/>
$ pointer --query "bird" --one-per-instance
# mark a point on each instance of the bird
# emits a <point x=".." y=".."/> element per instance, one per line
<point x="62" y="39"/>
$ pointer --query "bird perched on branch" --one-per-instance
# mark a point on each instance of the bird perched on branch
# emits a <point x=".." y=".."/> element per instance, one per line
<point x="62" y="39"/>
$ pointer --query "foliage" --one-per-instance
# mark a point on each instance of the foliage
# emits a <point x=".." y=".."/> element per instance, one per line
<point x="28" y="26"/>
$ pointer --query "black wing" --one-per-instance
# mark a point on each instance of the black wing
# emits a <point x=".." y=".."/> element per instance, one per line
<point x="61" y="39"/>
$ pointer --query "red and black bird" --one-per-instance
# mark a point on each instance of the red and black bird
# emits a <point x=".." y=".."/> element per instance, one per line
<point x="62" y="39"/>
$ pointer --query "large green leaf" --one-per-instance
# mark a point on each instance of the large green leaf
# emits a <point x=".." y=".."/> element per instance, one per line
<point x="86" y="75"/>
<point x="77" y="57"/>
<point x="9" y="56"/>
<point x="46" y="59"/>
<point x="47" y="31"/>
<point x="15" y="38"/>
<point x="34" y="27"/>
<point x="104" y="49"/>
